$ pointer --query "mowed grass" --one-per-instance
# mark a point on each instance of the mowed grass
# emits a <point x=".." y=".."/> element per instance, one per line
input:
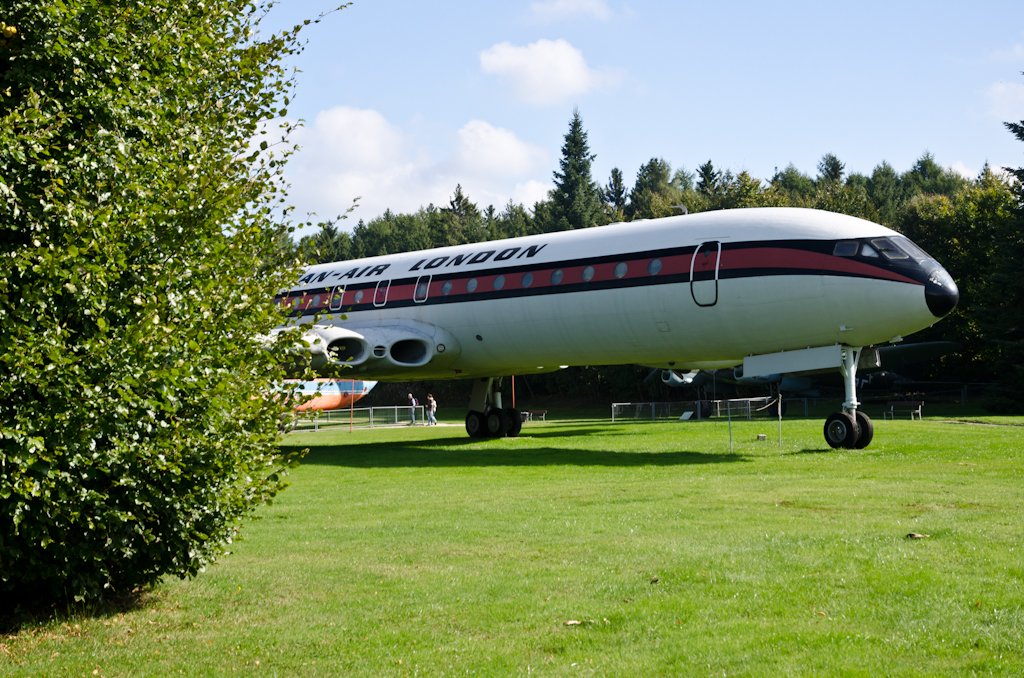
<point x="421" y="552"/>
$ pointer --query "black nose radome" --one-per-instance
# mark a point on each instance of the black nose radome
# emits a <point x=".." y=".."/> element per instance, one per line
<point x="941" y="293"/>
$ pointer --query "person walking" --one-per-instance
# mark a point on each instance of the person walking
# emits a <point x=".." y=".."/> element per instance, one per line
<point x="431" y="410"/>
<point x="412" y="410"/>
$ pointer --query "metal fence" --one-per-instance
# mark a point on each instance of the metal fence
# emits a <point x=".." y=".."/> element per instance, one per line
<point x="362" y="417"/>
<point x="697" y="410"/>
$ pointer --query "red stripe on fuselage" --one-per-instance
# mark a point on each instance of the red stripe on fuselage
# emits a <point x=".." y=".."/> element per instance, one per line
<point x="789" y="258"/>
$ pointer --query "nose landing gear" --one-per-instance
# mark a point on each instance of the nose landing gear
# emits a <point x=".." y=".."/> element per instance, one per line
<point x="851" y="428"/>
<point x="487" y="418"/>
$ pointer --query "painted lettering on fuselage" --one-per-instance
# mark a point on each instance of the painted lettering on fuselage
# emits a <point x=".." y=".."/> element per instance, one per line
<point x="426" y="264"/>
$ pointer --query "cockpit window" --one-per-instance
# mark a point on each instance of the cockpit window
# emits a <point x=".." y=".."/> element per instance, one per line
<point x="888" y="248"/>
<point x="910" y="248"/>
<point x="868" y="251"/>
<point x="846" y="249"/>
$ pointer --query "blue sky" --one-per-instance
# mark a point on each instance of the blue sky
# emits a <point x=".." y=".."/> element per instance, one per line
<point x="404" y="100"/>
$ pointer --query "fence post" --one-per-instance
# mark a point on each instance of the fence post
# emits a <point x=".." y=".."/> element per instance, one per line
<point x="728" y="408"/>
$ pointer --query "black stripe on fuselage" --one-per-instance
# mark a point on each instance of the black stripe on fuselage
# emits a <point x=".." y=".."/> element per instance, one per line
<point x="312" y="300"/>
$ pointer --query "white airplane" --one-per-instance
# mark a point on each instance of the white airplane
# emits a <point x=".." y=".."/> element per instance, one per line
<point x="776" y="290"/>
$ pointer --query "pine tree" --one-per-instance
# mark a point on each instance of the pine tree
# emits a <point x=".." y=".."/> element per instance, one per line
<point x="575" y="200"/>
<point x="708" y="179"/>
<point x="653" y="194"/>
<point x="830" y="169"/>
<point x="613" y="195"/>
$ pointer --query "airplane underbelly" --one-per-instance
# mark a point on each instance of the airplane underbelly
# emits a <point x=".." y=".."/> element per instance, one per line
<point x="752" y="315"/>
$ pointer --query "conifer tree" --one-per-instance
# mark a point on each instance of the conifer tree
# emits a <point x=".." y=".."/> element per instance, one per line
<point x="575" y="201"/>
<point x="613" y="195"/>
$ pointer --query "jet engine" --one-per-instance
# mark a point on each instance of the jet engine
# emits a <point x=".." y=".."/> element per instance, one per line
<point x="675" y="379"/>
<point x="332" y="351"/>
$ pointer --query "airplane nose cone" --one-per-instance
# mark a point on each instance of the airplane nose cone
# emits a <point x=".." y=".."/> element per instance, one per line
<point x="941" y="293"/>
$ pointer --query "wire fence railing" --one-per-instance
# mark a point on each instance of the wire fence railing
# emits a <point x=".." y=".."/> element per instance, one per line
<point x="362" y="417"/>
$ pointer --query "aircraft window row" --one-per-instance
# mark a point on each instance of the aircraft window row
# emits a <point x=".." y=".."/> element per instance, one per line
<point x="896" y="248"/>
<point x="336" y="298"/>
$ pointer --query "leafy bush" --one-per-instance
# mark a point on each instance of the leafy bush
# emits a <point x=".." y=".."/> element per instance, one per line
<point x="135" y="221"/>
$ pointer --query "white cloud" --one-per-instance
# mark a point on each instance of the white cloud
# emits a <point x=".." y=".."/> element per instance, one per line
<point x="1013" y="54"/>
<point x="1006" y="100"/>
<point x="545" y="72"/>
<point x="531" y="192"/>
<point x="348" y="152"/>
<point x="963" y="170"/>
<point x="557" y="10"/>
<point x="484" y="149"/>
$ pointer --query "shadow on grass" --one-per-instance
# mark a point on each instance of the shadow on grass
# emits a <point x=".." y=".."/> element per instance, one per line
<point x="466" y="452"/>
<point x="820" y="450"/>
<point x="27" y="610"/>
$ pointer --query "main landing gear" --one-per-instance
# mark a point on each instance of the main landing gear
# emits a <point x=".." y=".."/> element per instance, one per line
<point x="850" y="428"/>
<point x="487" y="418"/>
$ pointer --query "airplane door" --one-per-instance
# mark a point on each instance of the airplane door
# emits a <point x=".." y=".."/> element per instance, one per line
<point x="422" y="289"/>
<point x="704" y="273"/>
<point x="337" y="296"/>
<point x="380" y="295"/>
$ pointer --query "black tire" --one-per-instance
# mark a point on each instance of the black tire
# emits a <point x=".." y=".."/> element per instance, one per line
<point x="475" y="424"/>
<point x="867" y="430"/>
<point x="496" y="423"/>
<point x="841" y="430"/>
<point x="515" y="423"/>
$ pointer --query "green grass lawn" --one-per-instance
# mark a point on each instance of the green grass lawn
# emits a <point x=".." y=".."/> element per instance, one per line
<point x="418" y="551"/>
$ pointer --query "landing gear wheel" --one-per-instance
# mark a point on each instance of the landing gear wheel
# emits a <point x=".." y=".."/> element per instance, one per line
<point x="475" y="424"/>
<point x="515" y="423"/>
<point x="841" y="430"/>
<point x="867" y="430"/>
<point x="497" y="424"/>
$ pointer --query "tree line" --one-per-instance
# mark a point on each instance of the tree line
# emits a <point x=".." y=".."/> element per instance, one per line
<point x="972" y="226"/>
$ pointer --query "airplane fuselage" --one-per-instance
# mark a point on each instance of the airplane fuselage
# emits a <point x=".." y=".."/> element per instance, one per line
<point x="696" y="291"/>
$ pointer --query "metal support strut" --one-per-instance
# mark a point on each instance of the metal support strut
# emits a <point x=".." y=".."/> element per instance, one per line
<point x="851" y="356"/>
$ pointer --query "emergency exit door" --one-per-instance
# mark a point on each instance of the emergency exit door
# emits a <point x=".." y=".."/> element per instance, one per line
<point x="704" y="273"/>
